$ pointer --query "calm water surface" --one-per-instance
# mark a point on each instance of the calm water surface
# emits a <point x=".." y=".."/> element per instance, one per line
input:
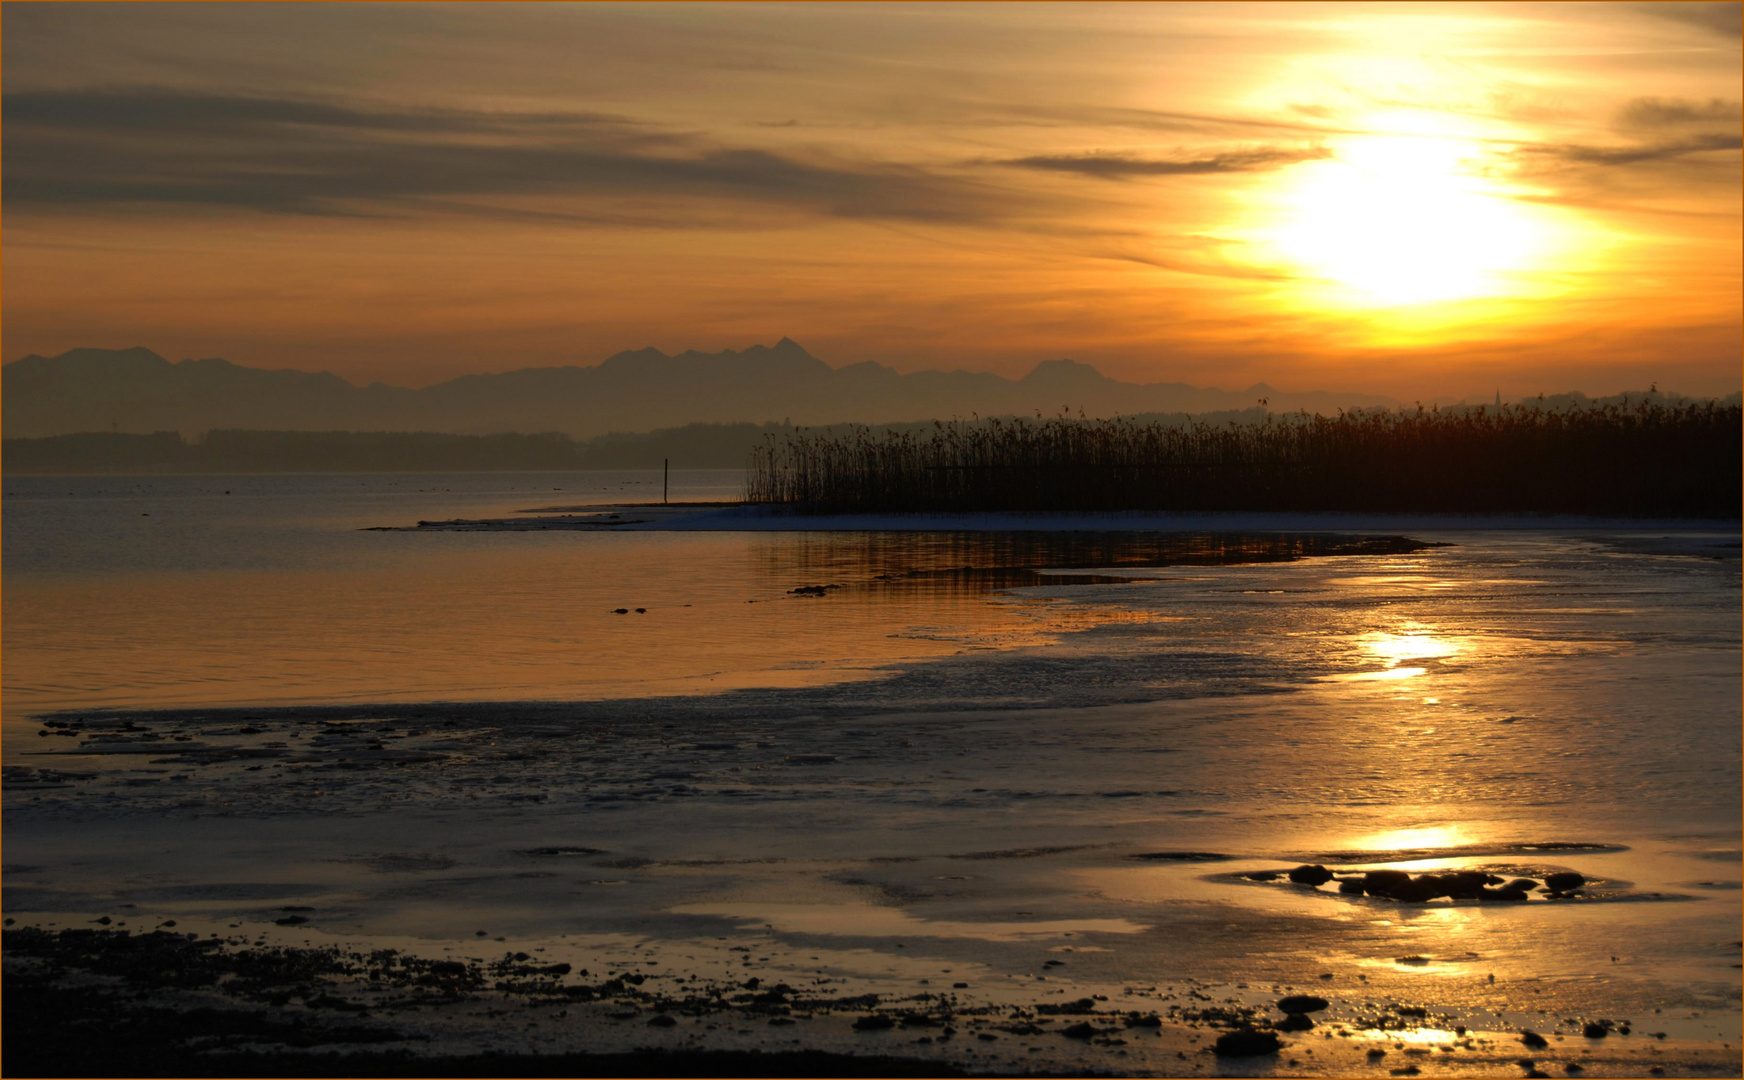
<point x="202" y="590"/>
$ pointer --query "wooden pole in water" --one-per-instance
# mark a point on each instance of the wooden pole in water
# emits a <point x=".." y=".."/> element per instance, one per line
<point x="665" y="478"/>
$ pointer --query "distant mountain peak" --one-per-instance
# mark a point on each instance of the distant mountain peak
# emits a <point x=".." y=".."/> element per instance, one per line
<point x="635" y="390"/>
<point x="786" y="348"/>
<point x="1062" y="373"/>
<point x="137" y="353"/>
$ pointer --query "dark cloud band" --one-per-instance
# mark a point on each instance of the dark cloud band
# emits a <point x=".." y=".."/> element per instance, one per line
<point x="1119" y="167"/>
<point x="155" y="147"/>
<point x="1640" y="154"/>
<point x="1659" y="113"/>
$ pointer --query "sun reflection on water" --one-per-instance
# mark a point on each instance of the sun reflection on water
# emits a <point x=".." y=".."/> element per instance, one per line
<point x="1433" y="838"/>
<point x="1416" y="645"/>
<point x="1424" y="1037"/>
<point x="1391" y="673"/>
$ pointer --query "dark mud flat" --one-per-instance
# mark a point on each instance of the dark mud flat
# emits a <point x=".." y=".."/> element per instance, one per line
<point x="53" y="1050"/>
<point x="106" y="1002"/>
<point x="974" y="565"/>
<point x="103" y="1002"/>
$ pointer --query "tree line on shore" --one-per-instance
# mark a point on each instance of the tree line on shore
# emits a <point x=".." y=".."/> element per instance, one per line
<point x="1647" y="458"/>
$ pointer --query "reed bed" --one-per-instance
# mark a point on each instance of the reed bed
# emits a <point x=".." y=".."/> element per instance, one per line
<point x="1645" y="459"/>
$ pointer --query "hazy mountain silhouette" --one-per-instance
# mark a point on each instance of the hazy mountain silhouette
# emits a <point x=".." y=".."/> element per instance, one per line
<point x="136" y="390"/>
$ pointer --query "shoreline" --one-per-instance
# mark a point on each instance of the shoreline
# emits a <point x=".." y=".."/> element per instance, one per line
<point x="750" y="517"/>
<point x="102" y="1001"/>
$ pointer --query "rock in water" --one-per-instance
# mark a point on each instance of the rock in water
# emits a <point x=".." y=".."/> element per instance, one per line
<point x="1302" y="1003"/>
<point x="1420" y="890"/>
<point x="1315" y="875"/>
<point x="1468" y="884"/>
<point x="1383" y="882"/>
<point x="1505" y="896"/>
<point x="1564" y="881"/>
<point x="1533" y="1040"/>
<point x="1246" y="1043"/>
<point x="1351" y="886"/>
<point x="1294" y="1022"/>
<point x="1523" y="884"/>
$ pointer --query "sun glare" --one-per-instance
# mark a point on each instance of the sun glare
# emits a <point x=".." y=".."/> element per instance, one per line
<point x="1440" y="836"/>
<point x="1400" y="648"/>
<point x="1402" y="219"/>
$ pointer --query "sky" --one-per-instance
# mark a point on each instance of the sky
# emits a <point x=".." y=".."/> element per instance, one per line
<point x="1429" y="201"/>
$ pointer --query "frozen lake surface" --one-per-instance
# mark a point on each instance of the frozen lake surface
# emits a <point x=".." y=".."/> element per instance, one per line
<point x="1038" y="764"/>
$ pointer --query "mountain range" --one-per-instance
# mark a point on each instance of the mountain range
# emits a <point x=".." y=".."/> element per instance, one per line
<point x="136" y="390"/>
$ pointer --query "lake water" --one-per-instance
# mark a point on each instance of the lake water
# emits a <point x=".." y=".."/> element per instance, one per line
<point x="971" y="755"/>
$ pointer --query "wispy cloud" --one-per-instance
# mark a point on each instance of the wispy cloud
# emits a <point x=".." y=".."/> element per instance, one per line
<point x="1200" y="267"/>
<point x="1619" y="208"/>
<point x="1725" y="19"/>
<point x="162" y="111"/>
<point x="1122" y="167"/>
<point x="1651" y="113"/>
<point x="1225" y="125"/>
<point x="151" y="146"/>
<point x="1572" y="154"/>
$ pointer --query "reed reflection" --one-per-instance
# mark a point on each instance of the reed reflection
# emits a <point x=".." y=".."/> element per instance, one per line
<point x="953" y="564"/>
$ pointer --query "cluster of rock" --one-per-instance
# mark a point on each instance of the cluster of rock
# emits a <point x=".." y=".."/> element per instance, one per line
<point x="1422" y="888"/>
<point x="1251" y="1040"/>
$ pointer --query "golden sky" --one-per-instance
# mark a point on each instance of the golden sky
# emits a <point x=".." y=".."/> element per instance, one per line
<point x="1424" y="200"/>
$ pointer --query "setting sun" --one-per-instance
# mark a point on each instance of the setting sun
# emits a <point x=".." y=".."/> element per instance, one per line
<point x="1403" y="219"/>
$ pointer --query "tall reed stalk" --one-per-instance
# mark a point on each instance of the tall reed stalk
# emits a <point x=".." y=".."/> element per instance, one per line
<point x="1642" y="459"/>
